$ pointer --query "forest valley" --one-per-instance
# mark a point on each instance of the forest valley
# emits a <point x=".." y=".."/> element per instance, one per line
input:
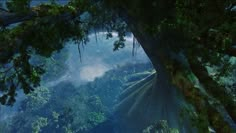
<point x="191" y="44"/>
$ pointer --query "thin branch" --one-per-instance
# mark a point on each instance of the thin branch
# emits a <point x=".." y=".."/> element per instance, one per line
<point x="6" y="71"/>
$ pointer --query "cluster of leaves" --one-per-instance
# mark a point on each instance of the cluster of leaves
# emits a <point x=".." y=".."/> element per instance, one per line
<point x="54" y="66"/>
<point x="161" y="126"/>
<point x="53" y="25"/>
<point x="19" y="6"/>
<point x="38" y="124"/>
<point x="18" y="73"/>
<point x="36" y="99"/>
<point x="204" y="33"/>
<point x="20" y="42"/>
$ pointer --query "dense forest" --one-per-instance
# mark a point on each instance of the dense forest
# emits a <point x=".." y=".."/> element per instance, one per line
<point x="190" y="43"/>
<point x="68" y="107"/>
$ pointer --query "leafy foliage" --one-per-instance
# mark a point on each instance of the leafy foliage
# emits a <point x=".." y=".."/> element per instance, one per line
<point x="78" y="109"/>
<point x="36" y="99"/>
<point x="38" y="124"/>
<point x="19" y="6"/>
<point x="161" y="126"/>
<point x="202" y="31"/>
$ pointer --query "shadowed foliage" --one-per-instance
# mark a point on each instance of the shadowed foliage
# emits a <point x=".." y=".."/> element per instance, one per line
<point x="184" y="39"/>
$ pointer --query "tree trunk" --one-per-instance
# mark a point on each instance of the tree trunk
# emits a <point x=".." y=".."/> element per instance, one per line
<point x="162" y="96"/>
<point x="154" y="98"/>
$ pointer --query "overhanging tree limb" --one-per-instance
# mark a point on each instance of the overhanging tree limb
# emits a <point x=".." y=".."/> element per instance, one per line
<point x="7" y="18"/>
<point x="214" y="89"/>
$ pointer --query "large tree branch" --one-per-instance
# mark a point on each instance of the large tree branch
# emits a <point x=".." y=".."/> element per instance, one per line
<point x="214" y="89"/>
<point x="7" y="18"/>
<point x="9" y="47"/>
<point x="205" y="105"/>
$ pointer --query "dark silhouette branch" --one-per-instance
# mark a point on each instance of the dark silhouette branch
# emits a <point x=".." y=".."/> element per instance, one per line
<point x="8" y="18"/>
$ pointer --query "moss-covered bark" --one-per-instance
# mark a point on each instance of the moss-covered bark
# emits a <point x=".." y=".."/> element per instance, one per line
<point x="215" y="90"/>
